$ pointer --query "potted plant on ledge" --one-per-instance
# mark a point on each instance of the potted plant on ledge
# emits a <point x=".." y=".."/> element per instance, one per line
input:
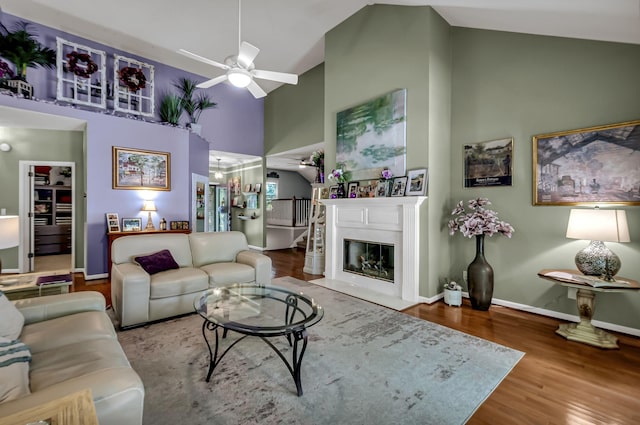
<point x="25" y="51"/>
<point x="191" y="104"/>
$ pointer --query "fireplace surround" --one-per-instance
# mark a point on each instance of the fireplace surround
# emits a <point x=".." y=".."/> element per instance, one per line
<point x="392" y="222"/>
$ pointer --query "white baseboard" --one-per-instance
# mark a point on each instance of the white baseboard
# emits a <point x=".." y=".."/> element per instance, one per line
<point x="257" y="248"/>
<point x="548" y="313"/>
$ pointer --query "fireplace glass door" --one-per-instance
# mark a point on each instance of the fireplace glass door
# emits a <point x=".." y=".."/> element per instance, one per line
<point x="371" y="259"/>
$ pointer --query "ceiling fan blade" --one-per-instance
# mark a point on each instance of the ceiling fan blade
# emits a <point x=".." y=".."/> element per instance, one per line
<point x="281" y="77"/>
<point x="202" y="59"/>
<point x="247" y="54"/>
<point x="256" y="90"/>
<point x="212" y="82"/>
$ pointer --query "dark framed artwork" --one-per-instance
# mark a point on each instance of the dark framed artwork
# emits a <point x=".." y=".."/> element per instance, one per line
<point x="382" y="189"/>
<point x="586" y="166"/>
<point x="372" y="136"/>
<point x="140" y="169"/>
<point x="399" y="185"/>
<point x="352" y="190"/>
<point x="489" y="163"/>
<point x="131" y="224"/>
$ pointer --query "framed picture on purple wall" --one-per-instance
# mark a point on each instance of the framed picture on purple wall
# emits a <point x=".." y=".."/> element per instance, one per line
<point x="140" y="169"/>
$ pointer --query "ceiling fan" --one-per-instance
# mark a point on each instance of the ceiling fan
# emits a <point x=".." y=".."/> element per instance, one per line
<point x="240" y="68"/>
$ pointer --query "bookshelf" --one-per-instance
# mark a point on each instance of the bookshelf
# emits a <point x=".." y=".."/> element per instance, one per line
<point x="52" y="219"/>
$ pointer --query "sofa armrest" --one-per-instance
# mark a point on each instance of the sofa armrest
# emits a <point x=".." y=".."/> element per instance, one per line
<point x="52" y="306"/>
<point x="260" y="262"/>
<point x="130" y="292"/>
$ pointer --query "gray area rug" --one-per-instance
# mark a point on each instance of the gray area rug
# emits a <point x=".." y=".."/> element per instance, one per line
<point x="364" y="364"/>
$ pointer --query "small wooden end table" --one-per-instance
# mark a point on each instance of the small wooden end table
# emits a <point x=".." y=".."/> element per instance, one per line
<point x="584" y="331"/>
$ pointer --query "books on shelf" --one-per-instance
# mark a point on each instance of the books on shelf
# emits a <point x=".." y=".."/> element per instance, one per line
<point x="587" y="280"/>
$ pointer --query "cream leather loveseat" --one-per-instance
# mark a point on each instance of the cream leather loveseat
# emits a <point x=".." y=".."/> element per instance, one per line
<point x="74" y="346"/>
<point x="202" y="261"/>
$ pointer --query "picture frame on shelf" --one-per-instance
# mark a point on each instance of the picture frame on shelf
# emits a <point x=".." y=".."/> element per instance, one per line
<point x="382" y="189"/>
<point x="247" y="188"/>
<point x="113" y="222"/>
<point x="399" y="186"/>
<point x="333" y="191"/>
<point x="417" y="181"/>
<point x="131" y="224"/>
<point x="179" y="225"/>
<point x="141" y="169"/>
<point x="257" y="188"/>
<point x="352" y="190"/>
<point x="587" y="166"/>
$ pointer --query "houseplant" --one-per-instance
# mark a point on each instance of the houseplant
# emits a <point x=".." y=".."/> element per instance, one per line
<point x="170" y="109"/>
<point x="23" y="49"/>
<point x="479" y="222"/>
<point x="191" y="104"/>
<point x="317" y="159"/>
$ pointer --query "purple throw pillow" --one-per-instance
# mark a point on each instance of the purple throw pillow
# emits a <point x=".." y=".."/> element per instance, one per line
<point x="157" y="262"/>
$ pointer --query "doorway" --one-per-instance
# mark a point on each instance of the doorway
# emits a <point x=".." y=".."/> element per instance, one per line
<point x="47" y="219"/>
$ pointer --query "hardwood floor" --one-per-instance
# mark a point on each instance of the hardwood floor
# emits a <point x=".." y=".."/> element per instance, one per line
<point x="556" y="382"/>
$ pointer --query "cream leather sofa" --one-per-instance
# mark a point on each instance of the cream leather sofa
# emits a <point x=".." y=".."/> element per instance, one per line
<point x="74" y="346"/>
<point x="205" y="260"/>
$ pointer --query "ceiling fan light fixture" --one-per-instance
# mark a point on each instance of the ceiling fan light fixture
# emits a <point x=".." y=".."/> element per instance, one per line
<point x="239" y="77"/>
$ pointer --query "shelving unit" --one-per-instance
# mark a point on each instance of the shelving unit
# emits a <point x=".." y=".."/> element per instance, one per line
<point x="52" y="218"/>
<point x="314" y="256"/>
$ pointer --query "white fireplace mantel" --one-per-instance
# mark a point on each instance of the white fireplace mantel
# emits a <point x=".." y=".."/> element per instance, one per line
<point x="392" y="220"/>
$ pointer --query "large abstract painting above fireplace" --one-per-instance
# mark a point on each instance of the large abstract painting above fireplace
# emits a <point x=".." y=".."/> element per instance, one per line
<point x="373" y="249"/>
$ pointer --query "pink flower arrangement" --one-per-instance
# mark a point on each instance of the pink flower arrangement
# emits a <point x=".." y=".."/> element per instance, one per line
<point x="478" y="221"/>
<point x="386" y="174"/>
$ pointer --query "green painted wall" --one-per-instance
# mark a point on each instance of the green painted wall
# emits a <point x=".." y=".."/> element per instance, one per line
<point x="251" y="173"/>
<point x="515" y="85"/>
<point x="41" y="145"/>
<point x="294" y="115"/>
<point x="383" y="48"/>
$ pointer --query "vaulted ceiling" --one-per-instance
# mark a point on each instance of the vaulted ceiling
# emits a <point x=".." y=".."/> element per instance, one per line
<point x="290" y="33"/>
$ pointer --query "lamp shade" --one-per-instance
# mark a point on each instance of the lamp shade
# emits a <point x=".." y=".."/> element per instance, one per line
<point x="598" y="225"/>
<point x="9" y="231"/>
<point x="149" y="206"/>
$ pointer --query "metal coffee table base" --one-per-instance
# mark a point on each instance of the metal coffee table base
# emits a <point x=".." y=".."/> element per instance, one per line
<point x="293" y="337"/>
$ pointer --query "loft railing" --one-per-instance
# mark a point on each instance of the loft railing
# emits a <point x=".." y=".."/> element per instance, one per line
<point x="289" y="212"/>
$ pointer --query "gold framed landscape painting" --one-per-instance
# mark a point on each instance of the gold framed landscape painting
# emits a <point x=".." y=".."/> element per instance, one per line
<point x="595" y="165"/>
<point x="141" y="169"/>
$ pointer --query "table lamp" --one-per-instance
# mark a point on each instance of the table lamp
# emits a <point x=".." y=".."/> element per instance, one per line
<point x="149" y="206"/>
<point x="9" y="232"/>
<point x="598" y="226"/>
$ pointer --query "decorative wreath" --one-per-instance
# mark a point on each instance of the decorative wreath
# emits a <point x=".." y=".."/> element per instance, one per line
<point x="72" y="65"/>
<point x="133" y="78"/>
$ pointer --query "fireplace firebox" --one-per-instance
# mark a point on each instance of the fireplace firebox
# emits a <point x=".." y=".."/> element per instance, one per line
<point x="371" y="259"/>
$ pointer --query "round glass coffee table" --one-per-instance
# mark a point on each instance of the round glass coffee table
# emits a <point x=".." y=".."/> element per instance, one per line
<point x="261" y="311"/>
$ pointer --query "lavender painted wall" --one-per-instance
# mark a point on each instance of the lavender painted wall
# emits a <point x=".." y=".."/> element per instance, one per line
<point x="235" y="125"/>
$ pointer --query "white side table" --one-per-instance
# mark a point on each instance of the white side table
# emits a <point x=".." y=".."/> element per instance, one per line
<point x="584" y="331"/>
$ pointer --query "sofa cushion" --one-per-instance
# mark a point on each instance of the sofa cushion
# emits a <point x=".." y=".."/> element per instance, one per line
<point x="216" y="247"/>
<point x="11" y="320"/>
<point x="125" y="248"/>
<point x="172" y="283"/>
<point x="225" y="273"/>
<point x="66" y="330"/>
<point x="14" y="369"/>
<point x="157" y="262"/>
<point x="73" y="361"/>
